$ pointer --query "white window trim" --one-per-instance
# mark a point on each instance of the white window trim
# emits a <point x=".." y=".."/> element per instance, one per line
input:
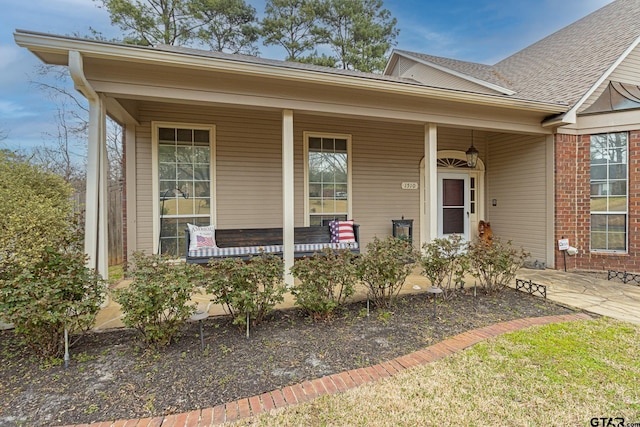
<point x="626" y="213"/>
<point x="155" y="181"/>
<point x="306" y="136"/>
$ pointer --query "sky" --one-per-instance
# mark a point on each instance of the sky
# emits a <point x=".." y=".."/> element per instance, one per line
<point x="470" y="30"/>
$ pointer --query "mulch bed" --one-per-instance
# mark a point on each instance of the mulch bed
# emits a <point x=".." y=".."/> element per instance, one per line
<point x="112" y="377"/>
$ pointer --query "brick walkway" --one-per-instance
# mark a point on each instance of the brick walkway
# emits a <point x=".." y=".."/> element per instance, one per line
<point x="332" y="384"/>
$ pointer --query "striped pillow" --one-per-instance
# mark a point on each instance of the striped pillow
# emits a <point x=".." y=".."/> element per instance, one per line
<point x="342" y="231"/>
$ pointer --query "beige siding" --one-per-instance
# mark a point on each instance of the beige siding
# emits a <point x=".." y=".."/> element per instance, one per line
<point x="383" y="156"/>
<point x="248" y="162"/>
<point x="460" y="139"/>
<point x="516" y="174"/>
<point x="144" y="202"/>
<point x="434" y="77"/>
<point x="249" y="166"/>
<point x="627" y="72"/>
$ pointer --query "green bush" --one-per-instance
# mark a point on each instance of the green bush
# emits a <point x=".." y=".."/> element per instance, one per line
<point x="44" y="284"/>
<point x="53" y="293"/>
<point x="156" y="303"/>
<point x="384" y="268"/>
<point x="326" y="281"/>
<point x="495" y="265"/>
<point x="35" y="212"/>
<point x="444" y="262"/>
<point x="251" y="287"/>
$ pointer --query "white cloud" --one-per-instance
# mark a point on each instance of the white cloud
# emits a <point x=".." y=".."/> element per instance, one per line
<point x="13" y="110"/>
<point x="9" y="55"/>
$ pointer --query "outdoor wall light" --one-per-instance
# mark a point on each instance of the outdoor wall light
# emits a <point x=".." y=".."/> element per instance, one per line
<point x="472" y="154"/>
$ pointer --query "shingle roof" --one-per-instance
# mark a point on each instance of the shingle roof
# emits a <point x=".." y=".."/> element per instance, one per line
<point x="279" y="63"/>
<point x="565" y="65"/>
<point x="473" y="69"/>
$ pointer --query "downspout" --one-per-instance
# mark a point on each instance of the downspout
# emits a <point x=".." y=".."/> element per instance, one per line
<point x="95" y="244"/>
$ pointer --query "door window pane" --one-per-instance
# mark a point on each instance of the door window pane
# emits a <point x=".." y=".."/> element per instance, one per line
<point x="453" y="220"/>
<point x="453" y="192"/>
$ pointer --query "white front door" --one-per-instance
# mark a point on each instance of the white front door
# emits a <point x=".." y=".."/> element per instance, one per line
<point x="453" y="204"/>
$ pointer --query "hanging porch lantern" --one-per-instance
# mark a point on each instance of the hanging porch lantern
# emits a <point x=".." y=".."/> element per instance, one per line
<point x="472" y="154"/>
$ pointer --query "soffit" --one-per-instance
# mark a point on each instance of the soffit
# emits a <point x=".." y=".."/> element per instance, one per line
<point x="174" y="84"/>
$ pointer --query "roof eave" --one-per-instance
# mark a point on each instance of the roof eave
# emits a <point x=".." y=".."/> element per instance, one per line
<point x="39" y="43"/>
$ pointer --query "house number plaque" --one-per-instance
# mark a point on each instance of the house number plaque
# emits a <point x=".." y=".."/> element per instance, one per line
<point x="410" y="186"/>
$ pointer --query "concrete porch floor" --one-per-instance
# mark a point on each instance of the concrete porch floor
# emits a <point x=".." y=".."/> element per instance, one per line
<point x="589" y="292"/>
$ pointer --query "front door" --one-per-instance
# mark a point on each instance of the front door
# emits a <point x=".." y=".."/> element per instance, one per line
<point x="453" y="204"/>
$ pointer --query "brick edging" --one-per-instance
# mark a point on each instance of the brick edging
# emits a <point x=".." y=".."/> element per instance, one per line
<point x="335" y="383"/>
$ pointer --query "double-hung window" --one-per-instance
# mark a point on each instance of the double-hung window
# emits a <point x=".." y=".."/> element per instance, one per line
<point x="328" y="178"/>
<point x="184" y="172"/>
<point x="609" y="191"/>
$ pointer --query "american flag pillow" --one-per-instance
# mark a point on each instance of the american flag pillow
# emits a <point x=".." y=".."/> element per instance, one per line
<point x="342" y="231"/>
<point x="201" y="237"/>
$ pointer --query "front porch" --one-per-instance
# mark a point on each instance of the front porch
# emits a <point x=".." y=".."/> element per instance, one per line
<point x="590" y="292"/>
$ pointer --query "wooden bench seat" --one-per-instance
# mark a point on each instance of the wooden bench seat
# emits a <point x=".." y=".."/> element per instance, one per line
<point x="247" y="242"/>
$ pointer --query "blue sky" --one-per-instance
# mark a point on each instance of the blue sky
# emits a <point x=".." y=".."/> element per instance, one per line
<point x="470" y="30"/>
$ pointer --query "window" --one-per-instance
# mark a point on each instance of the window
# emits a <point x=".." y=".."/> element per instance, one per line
<point x="184" y="178"/>
<point x="328" y="178"/>
<point x="609" y="174"/>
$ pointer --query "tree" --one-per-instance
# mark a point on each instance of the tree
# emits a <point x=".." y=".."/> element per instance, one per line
<point x="292" y="24"/>
<point x="223" y="25"/>
<point x="65" y="153"/>
<point x="151" y="22"/>
<point x="227" y="25"/>
<point x="359" y="32"/>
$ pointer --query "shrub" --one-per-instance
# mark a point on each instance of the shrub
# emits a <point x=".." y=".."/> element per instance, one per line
<point x="495" y="265"/>
<point x="444" y="262"/>
<point x="326" y="281"/>
<point x="156" y="302"/>
<point x="44" y="284"/>
<point x="54" y="293"/>
<point x="35" y="212"/>
<point x="384" y="268"/>
<point x="253" y="287"/>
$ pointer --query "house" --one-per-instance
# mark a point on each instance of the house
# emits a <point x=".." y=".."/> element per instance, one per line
<point x="262" y="143"/>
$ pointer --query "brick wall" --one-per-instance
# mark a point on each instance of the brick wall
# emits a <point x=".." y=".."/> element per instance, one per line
<point x="572" y="210"/>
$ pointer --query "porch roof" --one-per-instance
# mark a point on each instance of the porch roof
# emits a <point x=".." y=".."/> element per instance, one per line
<point x="54" y="49"/>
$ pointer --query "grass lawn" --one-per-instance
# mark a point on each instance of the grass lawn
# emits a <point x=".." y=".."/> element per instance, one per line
<point x="558" y="374"/>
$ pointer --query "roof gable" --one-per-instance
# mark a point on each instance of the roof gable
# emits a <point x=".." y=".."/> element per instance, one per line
<point x="565" y="65"/>
<point x="481" y="76"/>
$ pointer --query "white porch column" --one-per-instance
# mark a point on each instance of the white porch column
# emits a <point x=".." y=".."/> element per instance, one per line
<point x="550" y="202"/>
<point x="131" y="199"/>
<point x="288" y="198"/>
<point x="95" y="233"/>
<point x="429" y="224"/>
